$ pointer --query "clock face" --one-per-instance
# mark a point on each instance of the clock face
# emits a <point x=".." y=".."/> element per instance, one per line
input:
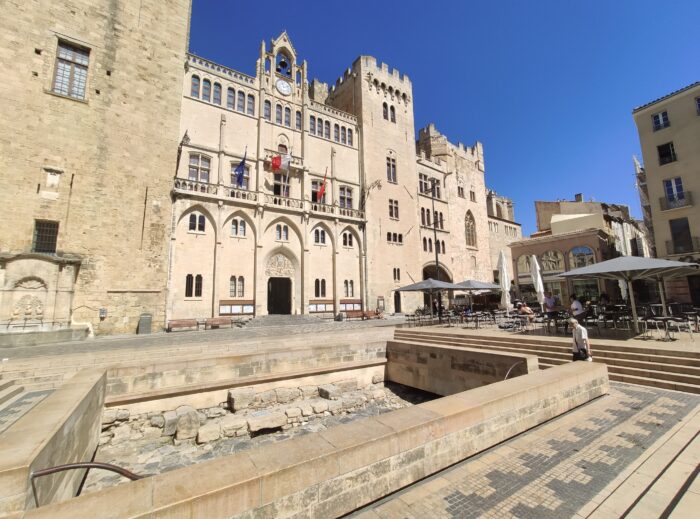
<point x="283" y="87"/>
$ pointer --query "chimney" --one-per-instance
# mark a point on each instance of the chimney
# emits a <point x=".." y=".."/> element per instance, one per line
<point x="578" y="197"/>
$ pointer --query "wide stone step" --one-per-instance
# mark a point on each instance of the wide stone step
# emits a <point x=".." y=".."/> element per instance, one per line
<point x="8" y="392"/>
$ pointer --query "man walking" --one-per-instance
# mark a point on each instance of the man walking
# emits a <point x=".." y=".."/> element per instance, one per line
<point x="580" y="348"/>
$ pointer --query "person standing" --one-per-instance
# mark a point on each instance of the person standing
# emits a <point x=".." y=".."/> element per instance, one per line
<point x="576" y="308"/>
<point x="581" y="349"/>
<point x="550" y="303"/>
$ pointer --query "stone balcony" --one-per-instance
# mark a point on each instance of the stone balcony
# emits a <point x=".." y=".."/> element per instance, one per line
<point x="217" y="192"/>
<point x="676" y="202"/>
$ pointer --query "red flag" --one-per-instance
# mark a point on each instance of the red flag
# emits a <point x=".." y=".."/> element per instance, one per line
<point x="322" y="189"/>
<point x="276" y="162"/>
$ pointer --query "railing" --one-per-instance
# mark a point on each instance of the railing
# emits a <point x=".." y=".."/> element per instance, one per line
<point x="81" y="465"/>
<point x="283" y="201"/>
<point x="674" y="203"/>
<point x="194" y="185"/>
<point x="242" y="194"/>
<point x="692" y="244"/>
<point x="352" y="213"/>
<point x="322" y="208"/>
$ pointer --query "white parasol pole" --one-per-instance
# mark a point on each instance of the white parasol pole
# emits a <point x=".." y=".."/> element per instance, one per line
<point x="630" y="290"/>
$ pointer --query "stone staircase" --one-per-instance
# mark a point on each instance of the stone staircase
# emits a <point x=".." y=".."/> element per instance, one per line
<point x="8" y="390"/>
<point x="265" y="321"/>
<point x="649" y="366"/>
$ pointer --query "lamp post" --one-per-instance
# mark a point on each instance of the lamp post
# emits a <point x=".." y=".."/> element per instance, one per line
<point x="433" y="183"/>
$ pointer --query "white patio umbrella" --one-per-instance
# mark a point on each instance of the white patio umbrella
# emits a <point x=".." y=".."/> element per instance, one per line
<point x="504" y="281"/>
<point x="537" y="279"/>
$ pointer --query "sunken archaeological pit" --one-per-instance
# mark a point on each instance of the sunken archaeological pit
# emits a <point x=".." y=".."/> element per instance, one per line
<point x="312" y="428"/>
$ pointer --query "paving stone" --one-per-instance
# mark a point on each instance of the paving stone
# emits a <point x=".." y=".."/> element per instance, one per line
<point x="285" y="395"/>
<point x="157" y="421"/>
<point x="231" y="425"/>
<point x="240" y="398"/>
<point x="266" y="420"/>
<point x="329" y="391"/>
<point x="209" y="432"/>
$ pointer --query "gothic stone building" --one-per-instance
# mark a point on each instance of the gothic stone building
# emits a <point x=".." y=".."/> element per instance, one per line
<point x="271" y="245"/>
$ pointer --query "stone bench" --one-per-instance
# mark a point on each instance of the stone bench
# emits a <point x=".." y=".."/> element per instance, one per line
<point x="182" y="323"/>
<point x="216" y="322"/>
<point x="355" y="314"/>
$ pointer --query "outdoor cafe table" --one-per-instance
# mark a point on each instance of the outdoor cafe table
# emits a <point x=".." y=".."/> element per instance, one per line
<point x="665" y="320"/>
<point x="694" y="317"/>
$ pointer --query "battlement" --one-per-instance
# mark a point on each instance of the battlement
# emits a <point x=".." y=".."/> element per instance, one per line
<point x="430" y="138"/>
<point x="380" y="70"/>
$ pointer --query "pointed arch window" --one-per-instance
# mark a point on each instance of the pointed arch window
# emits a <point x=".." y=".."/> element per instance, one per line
<point x="319" y="127"/>
<point x="230" y="98"/>
<point x="240" y="103"/>
<point x="194" y="90"/>
<point x="278" y="232"/>
<point x="470" y="229"/>
<point x="430" y="245"/>
<point x="206" y="90"/>
<point x="327" y="129"/>
<point x="336" y="133"/>
<point x="312" y="125"/>
<point x="267" y="108"/>
<point x="278" y="114"/>
<point x="392" y="113"/>
<point x="345" y="288"/>
<point x="349" y="137"/>
<point x="189" y="285"/>
<point x="297" y="120"/>
<point x="193" y="222"/>
<point x="385" y="111"/>
<point x="241" y="286"/>
<point x="217" y="93"/>
<point x="343" y="135"/>
<point x="287" y="117"/>
<point x="198" y="282"/>
<point x="251" y="104"/>
<point x="352" y="288"/>
<point x="285" y="233"/>
<point x="232" y="286"/>
<point x="425" y="244"/>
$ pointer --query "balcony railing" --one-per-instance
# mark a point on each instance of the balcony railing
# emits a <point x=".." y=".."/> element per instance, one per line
<point x="269" y="199"/>
<point x="692" y="244"/>
<point x="194" y="185"/>
<point x="667" y="203"/>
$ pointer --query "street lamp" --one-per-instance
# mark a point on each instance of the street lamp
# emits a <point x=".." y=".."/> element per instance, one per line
<point x="433" y="183"/>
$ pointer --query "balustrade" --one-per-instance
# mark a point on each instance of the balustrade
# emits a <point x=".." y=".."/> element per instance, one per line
<point x="194" y="185"/>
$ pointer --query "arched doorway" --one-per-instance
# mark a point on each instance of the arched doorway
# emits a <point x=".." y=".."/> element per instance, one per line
<point x="439" y="273"/>
<point x="397" y="302"/>
<point x="279" y="296"/>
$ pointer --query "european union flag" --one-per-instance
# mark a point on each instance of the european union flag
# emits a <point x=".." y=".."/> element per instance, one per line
<point x="240" y="170"/>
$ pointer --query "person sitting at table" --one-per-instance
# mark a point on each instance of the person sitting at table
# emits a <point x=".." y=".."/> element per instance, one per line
<point x="576" y="309"/>
<point x="523" y="309"/>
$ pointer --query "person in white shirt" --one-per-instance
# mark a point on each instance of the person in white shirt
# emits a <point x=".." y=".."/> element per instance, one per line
<point x="550" y="303"/>
<point x="577" y="311"/>
<point x="581" y="349"/>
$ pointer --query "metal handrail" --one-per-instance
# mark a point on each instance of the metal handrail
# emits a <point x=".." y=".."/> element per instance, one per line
<point x="81" y="465"/>
<point x="511" y="368"/>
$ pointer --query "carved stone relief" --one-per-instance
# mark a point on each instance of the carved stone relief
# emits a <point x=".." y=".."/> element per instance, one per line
<point x="279" y="265"/>
<point x="28" y="307"/>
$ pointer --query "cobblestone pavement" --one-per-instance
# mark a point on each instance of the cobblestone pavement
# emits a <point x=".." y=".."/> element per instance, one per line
<point x="550" y="471"/>
<point x="182" y="338"/>
<point x="160" y="455"/>
<point x="12" y="412"/>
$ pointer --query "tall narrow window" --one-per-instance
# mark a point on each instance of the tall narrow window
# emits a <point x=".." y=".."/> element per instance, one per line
<point x="280" y="185"/>
<point x="425" y="244"/>
<point x="278" y="232"/>
<point x="199" y="168"/>
<point x="240" y="104"/>
<point x="193" y="222"/>
<point x="345" y="288"/>
<point x="388" y="237"/>
<point x="189" y="284"/>
<point x="443" y="246"/>
<point x="198" y="286"/>
<point x="336" y="133"/>
<point x="470" y="229"/>
<point x="70" y="76"/>
<point x="285" y="233"/>
<point x="427" y="217"/>
<point x="349" y="137"/>
<point x="660" y="120"/>
<point x="230" y="98"/>
<point x="392" y="113"/>
<point x="241" y="286"/>
<point x="297" y="120"/>
<point x="201" y="223"/>
<point x="674" y="189"/>
<point x="430" y="245"/>
<point x="422" y="216"/>
<point x="317" y="288"/>
<point x="343" y="135"/>
<point x="352" y="288"/>
<point x="278" y="114"/>
<point x="241" y="227"/>
<point x="442" y="222"/>
<point x="267" y="107"/>
<point x="312" y="125"/>
<point x="315" y="188"/>
<point x="327" y="129"/>
<point x="232" y="286"/>
<point x="45" y="236"/>
<point x="194" y="90"/>
<point x="345" y="197"/>
<point x="391" y="169"/>
<point x="217" y="93"/>
<point x="385" y="111"/>
<point x="287" y="117"/>
<point x="319" y="127"/>
<point x="234" y="227"/>
<point x="323" y="288"/>
<point x="206" y="90"/>
<point x="251" y="104"/>
<point x="234" y="177"/>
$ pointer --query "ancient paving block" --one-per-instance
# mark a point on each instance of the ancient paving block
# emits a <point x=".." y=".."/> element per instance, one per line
<point x="233" y="425"/>
<point x="266" y="397"/>
<point x="335" y="406"/>
<point x="309" y="391"/>
<point x="214" y="412"/>
<point x="293" y="412"/>
<point x="169" y="423"/>
<point x="151" y="432"/>
<point x="329" y="391"/>
<point x="306" y="410"/>
<point x="187" y="423"/>
<point x="157" y="421"/>
<point x="240" y="398"/>
<point x="285" y="395"/>
<point x="266" y="420"/>
<point x="352" y="401"/>
<point x="319" y="406"/>
<point x="109" y="416"/>
<point x="123" y="414"/>
<point x="209" y="432"/>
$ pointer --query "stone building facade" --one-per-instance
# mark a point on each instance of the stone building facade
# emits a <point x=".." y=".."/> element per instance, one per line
<point x="373" y="231"/>
<point x="669" y="182"/>
<point x="89" y="123"/>
<point x="503" y="229"/>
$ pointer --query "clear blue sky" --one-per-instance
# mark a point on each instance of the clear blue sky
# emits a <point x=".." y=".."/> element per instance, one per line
<point x="547" y="86"/>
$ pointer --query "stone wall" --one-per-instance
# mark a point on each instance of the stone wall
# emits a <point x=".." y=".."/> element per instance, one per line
<point x="331" y="473"/>
<point x="62" y="428"/>
<point x="445" y="370"/>
<point x="101" y="166"/>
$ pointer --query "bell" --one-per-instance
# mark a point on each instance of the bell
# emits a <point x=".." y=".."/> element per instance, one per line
<point x="283" y="63"/>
